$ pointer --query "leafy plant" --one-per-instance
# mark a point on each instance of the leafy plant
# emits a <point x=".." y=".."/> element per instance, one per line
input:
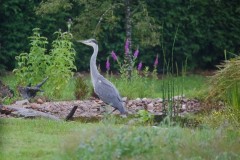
<point x="61" y="62"/>
<point x="57" y="65"/>
<point x="32" y="66"/>
<point x="145" y="116"/>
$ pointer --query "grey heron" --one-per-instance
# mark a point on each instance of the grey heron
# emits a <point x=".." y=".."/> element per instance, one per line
<point x="105" y="90"/>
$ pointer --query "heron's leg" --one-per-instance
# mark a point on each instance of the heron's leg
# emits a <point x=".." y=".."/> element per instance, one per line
<point x="113" y="111"/>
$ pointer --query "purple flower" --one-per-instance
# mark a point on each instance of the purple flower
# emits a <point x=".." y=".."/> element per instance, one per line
<point x="114" y="56"/>
<point x="139" y="66"/>
<point x="107" y="64"/>
<point x="136" y="53"/>
<point x="127" y="46"/>
<point x="156" y="61"/>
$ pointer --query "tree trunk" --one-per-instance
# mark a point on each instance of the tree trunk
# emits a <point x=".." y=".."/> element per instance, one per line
<point x="129" y="37"/>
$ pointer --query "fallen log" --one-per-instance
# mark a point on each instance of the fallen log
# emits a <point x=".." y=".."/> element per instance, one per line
<point x="27" y="113"/>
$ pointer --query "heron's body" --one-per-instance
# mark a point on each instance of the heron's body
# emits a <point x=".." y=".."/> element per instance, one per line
<point x="105" y="90"/>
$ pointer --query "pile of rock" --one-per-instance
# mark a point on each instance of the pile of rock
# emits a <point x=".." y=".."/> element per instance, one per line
<point x="93" y="108"/>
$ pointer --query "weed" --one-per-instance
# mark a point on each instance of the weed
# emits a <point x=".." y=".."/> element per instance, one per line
<point x="145" y="116"/>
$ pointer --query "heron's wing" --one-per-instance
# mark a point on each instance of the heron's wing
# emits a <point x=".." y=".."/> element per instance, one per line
<point x="106" y="91"/>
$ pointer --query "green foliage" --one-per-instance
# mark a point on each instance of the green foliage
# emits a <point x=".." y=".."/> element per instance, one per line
<point x="61" y="62"/>
<point x="233" y="96"/>
<point x="32" y="66"/>
<point x="17" y="22"/>
<point x="57" y="65"/>
<point x="203" y="28"/>
<point x="81" y="89"/>
<point x="224" y="84"/>
<point x="145" y="116"/>
<point x="13" y="29"/>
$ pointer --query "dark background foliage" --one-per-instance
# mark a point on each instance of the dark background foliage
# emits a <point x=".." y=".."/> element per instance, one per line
<point x="203" y="30"/>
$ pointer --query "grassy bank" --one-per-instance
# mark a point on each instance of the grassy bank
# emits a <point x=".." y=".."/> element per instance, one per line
<point x="44" y="139"/>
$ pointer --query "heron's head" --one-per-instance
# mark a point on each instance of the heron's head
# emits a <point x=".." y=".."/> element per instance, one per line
<point x="89" y="42"/>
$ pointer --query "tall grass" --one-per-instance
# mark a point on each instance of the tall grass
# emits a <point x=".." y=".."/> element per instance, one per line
<point x="224" y="84"/>
<point x="153" y="88"/>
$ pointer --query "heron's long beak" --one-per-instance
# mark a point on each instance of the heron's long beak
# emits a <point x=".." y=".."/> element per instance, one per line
<point x="81" y="41"/>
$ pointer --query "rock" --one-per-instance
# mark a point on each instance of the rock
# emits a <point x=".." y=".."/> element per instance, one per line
<point x="124" y="99"/>
<point x="130" y="103"/>
<point x="22" y="102"/>
<point x="184" y="107"/>
<point x="34" y="105"/>
<point x="150" y="106"/>
<point x="40" y="101"/>
<point x="159" y="100"/>
<point x="180" y="97"/>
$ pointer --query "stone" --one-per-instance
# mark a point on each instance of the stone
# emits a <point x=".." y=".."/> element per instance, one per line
<point x="150" y="106"/>
<point x="22" y="102"/>
<point x="138" y="99"/>
<point x="130" y="103"/>
<point x="124" y="99"/>
<point x="40" y="101"/>
<point x="34" y="105"/>
<point x="159" y="100"/>
<point x="184" y="106"/>
<point x="179" y="97"/>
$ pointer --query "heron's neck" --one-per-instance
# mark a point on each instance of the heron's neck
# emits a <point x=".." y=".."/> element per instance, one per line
<point x="93" y="67"/>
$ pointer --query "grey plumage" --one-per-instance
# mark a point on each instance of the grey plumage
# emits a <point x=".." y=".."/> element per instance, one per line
<point x="105" y="90"/>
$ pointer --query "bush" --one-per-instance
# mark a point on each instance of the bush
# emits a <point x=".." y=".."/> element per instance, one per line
<point x="224" y="84"/>
<point x="57" y="65"/>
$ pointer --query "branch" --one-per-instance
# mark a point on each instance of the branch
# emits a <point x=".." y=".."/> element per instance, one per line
<point x="31" y="92"/>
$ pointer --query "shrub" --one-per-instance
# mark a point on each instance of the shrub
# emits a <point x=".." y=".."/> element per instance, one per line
<point x="61" y="62"/>
<point x="57" y="65"/>
<point x="224" y="84"/>
<point x="31" y="66"/>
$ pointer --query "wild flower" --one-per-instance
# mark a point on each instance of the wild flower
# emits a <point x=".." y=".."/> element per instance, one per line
<point x="114" y="56"/>
<point x="156" y="61"/>
<point x="127" y="47"/>
<point x="135" y="55"/>
<point x="107" y="64"/>
<point x="139" y="66"/>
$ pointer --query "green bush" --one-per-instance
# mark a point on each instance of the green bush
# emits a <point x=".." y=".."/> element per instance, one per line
<point x="32" y="66"/>
<point x="58" y="65"/>
<point x="61" y="63"/>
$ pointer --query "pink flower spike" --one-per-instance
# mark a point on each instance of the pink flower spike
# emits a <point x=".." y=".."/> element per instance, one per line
<point x="139" y="66"/>
<point x="156" y="61"/>
<point x="127" y="46"/>
<point x="136" y="53"/>
<point x="107" y="64"/>
<point x="114" y="56"/>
